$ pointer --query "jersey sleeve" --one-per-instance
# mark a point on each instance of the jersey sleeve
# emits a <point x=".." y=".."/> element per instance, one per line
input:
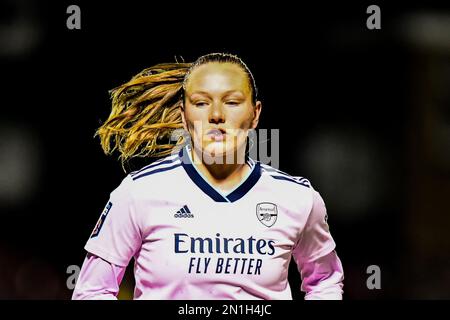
<point x="315" y="239"/>
<point x="319" y="266"/>
<point x="98" y="280"/>
<point x="116" y="236"/>
<point x="323" y="278"/>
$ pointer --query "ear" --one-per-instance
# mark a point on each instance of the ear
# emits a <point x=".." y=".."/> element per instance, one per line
<point x="256" y="114"/>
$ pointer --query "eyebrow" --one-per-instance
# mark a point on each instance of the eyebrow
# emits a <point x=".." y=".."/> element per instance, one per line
<point x="200" y="92"/>
<point x="227" y="93"/>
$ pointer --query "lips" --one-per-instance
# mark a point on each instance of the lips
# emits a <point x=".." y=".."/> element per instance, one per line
<point x="217" y="134"/>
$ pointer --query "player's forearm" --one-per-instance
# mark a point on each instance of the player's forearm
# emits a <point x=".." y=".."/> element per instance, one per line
<point x="329" y="289"/>
<point x="323" y="278"/>
<point x="98" y="280"/>
<point x="93" y="295"/>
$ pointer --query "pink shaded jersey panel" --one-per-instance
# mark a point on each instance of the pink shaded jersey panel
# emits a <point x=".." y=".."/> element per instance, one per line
<point x="186" y="245"/>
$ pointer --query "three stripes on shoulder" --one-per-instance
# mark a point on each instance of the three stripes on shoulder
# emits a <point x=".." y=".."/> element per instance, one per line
<point x="280" y="175"/>
<point x="172" y="162"/>
<point x="162" y="165"/>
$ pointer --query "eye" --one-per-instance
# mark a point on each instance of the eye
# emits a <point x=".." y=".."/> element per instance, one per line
<point x="233" y="103"/>
<point x="201" y="104"/>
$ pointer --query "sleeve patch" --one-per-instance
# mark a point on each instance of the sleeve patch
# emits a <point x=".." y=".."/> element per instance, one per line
<point x="100" y="221"/>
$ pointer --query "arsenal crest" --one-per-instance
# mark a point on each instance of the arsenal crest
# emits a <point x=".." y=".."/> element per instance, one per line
<point x="267" y="213"/>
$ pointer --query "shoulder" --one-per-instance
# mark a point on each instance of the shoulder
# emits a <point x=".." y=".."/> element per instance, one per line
<point x="154" y="176"/>
<point x="302" y="188"/>
<point x="163" y="165"/>
<point x="278" y="175"/>
<point x="296" y="189"/>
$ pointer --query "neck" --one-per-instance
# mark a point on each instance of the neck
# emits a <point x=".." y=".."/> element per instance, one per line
<point x="219" y="173"/>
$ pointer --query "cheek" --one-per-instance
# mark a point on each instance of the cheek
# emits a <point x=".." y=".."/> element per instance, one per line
<point x="192" y="115"/>
<point x="189" y="119"/>
<point x="244" y="120"/>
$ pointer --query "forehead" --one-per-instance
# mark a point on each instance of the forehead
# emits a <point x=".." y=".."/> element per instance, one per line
<point x="216" y="77"/>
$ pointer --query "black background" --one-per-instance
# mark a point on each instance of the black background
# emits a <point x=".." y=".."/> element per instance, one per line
<point x="319" y="70"/>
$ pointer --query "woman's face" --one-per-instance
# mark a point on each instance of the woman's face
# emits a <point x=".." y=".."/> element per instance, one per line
<point x="218" y="109"/>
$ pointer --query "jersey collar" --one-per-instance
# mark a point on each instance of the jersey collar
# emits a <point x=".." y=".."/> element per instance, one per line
<point x="214" y="194"/>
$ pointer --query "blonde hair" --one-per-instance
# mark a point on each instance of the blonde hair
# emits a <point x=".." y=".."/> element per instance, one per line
<point x="146" y="110"/>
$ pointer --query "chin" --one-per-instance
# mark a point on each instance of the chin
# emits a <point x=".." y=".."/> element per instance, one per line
<point x="215" y="149"/>
<point x="216" y="152"/>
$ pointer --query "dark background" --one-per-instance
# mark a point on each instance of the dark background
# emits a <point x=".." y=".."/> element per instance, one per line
<point x="364" y="114"/>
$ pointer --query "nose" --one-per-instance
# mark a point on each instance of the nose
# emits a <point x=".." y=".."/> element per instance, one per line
<point x="216" y="114"/>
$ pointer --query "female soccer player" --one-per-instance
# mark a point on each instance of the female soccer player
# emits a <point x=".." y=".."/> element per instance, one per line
<point x="206" y="221"/>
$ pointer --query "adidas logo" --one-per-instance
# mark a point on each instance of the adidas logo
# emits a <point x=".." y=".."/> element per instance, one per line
<point x="184" y="213"/>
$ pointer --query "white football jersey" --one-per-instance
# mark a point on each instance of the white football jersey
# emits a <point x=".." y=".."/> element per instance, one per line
<point x="191" y="241"/>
